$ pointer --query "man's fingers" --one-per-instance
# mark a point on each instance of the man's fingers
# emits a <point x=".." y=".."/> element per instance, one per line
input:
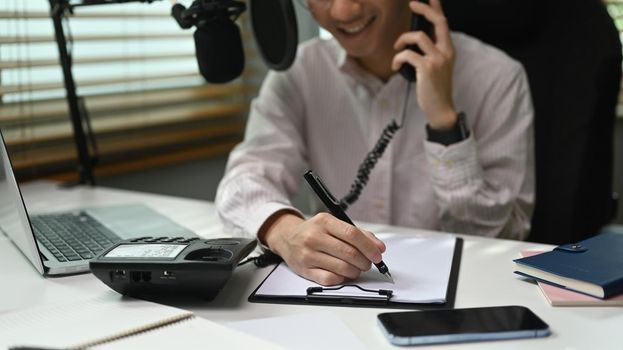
<point x="434" y="14"/>
<point x="351" y="235"/>
<point x="407" y="56"/>
<point x="343" y="251"/>
<point x="418" y="38"/>
<point x="376" y="241"/>
<point x="320" y="260"/>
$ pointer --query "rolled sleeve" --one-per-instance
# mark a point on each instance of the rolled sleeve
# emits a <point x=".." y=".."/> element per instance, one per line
<point x="453" y="166"/>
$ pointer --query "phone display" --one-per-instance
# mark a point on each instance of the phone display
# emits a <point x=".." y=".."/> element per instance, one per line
<point x="418" y="22"/>
<point x="461" y="325"/>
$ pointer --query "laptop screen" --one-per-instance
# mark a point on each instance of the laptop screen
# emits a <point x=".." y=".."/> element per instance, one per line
<point x="14" y="220"/>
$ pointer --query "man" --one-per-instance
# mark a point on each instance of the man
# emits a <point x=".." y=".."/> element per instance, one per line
<point x="329" y="109"/>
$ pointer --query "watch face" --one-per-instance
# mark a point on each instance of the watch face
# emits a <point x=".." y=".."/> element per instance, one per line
<point x="146" y="251"/>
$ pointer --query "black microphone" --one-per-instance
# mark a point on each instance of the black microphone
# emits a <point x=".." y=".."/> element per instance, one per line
<point x="218" y="45"/>
<point x="218" y="48"/>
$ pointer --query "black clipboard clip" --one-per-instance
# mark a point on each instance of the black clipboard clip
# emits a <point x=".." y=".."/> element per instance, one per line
<point x="375" y="296"/>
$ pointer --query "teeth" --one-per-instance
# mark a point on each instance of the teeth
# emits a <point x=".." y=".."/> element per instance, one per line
<point x="353" y="30"/>
<point x="356" y="29"/>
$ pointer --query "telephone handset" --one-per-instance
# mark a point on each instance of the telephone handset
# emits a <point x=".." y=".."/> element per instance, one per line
<point x="418" y="22"/>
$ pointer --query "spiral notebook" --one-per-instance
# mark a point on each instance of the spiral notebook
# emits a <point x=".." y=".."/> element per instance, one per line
<point x="113" y="322"/>
<point x="424" y="267"/>
<point x="192" y="333"/>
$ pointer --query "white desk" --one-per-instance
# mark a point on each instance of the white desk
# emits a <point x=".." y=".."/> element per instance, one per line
<point x="485" y="279"/>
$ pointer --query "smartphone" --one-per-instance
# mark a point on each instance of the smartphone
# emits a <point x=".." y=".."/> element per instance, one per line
<point x="461" y="325"/>
<point x="418" y="22"/>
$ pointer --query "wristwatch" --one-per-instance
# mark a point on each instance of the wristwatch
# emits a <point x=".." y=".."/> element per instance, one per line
<point x="457" y="133"/>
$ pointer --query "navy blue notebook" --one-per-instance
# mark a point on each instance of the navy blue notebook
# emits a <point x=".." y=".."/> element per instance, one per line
<point x="593" y="266"/>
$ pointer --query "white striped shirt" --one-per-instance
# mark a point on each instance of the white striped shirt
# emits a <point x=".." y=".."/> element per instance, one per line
<point x="325" y="113"/>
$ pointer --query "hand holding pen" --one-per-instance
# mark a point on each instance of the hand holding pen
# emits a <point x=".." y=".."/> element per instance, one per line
<point x="323" y="249"/>
<point x="335" y="208"/>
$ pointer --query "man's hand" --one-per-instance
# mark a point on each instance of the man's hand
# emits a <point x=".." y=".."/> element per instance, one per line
<point x="434" y="68"/>
<point x="323" y="249"/>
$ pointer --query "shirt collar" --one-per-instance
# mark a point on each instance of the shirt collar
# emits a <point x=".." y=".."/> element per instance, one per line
<point x="359" y="76"/>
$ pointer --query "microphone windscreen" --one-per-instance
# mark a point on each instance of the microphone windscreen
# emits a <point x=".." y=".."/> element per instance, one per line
<point x="275" y="31"/>
<point x="219" y="50"/>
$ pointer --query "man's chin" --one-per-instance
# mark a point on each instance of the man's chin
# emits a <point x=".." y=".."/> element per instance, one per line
<point x="358" y="52"/>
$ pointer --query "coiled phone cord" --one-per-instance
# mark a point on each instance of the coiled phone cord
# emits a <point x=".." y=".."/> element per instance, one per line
<point x="267" y="258"/>
<point x="363" y="173"/>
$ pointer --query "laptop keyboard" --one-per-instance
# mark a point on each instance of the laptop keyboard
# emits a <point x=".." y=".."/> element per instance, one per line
<point x="72" y="236"/>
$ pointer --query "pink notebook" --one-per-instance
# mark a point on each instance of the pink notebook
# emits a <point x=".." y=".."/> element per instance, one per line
<point x="564" y="297"/>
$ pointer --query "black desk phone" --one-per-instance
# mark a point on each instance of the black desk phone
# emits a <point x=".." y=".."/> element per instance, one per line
<point x="158" y="267"/>
<point x="418" y="22"/>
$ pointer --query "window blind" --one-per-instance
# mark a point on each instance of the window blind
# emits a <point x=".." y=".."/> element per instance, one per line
<point x="137" y="72"/>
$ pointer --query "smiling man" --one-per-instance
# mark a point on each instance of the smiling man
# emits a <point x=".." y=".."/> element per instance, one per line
<point x="462" y="160"/>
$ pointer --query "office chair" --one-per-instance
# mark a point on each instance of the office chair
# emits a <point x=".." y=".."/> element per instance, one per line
<point x="572" y="55"/>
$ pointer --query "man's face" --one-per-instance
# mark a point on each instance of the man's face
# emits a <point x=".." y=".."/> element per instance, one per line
<point x="364" y="28"/>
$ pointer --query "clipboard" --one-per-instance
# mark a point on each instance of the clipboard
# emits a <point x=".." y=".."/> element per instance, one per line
<point x="364" y="297"/>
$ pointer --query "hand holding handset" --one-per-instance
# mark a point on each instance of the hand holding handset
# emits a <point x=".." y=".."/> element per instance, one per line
<point x="461" y="325"/>
<point x="418" y="23"/>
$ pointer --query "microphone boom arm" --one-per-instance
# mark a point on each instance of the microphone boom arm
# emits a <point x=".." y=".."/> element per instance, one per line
<point x="77" y="109"/>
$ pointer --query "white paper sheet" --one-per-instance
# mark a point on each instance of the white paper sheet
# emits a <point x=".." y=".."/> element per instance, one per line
<point x="420" y="266"/>
<point x="301" y="331"/>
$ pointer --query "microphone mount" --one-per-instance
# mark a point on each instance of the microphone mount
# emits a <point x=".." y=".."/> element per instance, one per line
<point x="201" y="12"/>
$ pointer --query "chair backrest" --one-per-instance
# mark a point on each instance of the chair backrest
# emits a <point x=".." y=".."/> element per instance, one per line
<point x="572" y="55"/>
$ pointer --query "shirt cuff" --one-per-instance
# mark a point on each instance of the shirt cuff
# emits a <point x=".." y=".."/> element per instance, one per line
<point x="453" y="166"/>
<point x="259" y="217"/>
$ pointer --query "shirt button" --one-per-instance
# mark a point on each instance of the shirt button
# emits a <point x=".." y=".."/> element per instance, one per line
<point x="361" y="92"/>
<point x="380" y="205"/>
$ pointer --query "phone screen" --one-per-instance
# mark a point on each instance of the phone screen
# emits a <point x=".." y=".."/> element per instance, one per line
<point x="458" y="325"/>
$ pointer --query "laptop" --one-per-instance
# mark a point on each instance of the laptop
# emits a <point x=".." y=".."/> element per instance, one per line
<point x="62" y="243"/>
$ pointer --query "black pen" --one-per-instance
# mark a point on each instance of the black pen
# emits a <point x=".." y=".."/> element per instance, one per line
<point x="334" y="207"/>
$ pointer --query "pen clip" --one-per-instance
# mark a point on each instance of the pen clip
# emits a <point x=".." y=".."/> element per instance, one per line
<point x="326" y="197"/>
<point x="321" y="190"/>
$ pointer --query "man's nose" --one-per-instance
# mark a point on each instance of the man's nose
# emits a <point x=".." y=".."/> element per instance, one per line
<point x="346" y="10"/>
